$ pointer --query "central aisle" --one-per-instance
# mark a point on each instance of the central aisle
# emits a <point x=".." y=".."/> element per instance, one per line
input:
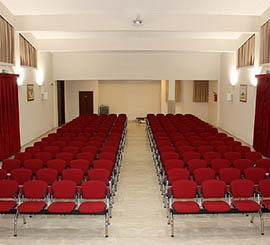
<point x="138" y="209"/>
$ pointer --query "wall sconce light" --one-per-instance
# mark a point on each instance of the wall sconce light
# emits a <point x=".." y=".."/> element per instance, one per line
<point x="40" y="77"/>
<point x="234" y="77"/>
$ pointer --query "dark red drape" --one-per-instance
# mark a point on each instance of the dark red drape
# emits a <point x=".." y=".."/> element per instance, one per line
<point x="261" y="139"/>
<point x="9" y="116"/>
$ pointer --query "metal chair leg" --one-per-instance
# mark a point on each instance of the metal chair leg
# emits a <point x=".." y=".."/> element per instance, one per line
<point x="172" y="225"/>
<point x="252" y="218"/>
<point x="262" y="222"/>
<point x="106" y="225"/>
<point x="15" y="222"/>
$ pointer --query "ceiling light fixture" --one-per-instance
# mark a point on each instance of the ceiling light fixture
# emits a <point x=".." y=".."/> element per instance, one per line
<point x="137" y="22"/>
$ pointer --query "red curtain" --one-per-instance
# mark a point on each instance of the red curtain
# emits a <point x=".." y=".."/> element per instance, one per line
<point x="9" y="116"/>
<point x="261" y="139"/>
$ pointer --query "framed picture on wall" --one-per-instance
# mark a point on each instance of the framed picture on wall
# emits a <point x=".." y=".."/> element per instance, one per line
<point x="30" y="92"/>
<point x="243" y="92"/>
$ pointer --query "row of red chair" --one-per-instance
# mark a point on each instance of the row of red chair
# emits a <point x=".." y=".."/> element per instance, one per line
<point x="53" y="160"/>
<point x="188" y="150"/>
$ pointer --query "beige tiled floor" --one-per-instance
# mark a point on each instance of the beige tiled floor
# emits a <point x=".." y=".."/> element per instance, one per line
<point x="138" y="214"/>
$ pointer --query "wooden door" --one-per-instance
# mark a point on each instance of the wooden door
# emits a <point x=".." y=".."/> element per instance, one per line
<point x="61" y="102"/>
<point x="86" y="102"/>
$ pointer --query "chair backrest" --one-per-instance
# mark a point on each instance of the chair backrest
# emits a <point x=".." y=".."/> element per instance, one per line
<point x="264" y="163"/>
<point x="173" y="163"/>
<point x="203" y="174"/>
<point x="209" y="156"/>
<point x="80" y="164"/>
<point x="232" y="156"/>
<point x="242" y="149"/>
<point x="35" y="189"/>
<point x="190" y="155"/>
<point x="177" y="174"/>
<point x="21" y="175"/>
<point x="213" y="189"/>
<point x="58" y="164"/>
<point x="254" y="174"/>
<point x="89" y="148"/>
<point x="93" y="189"/>
<point x="185" y="148"/>
<point x="86" y="156"/>
<point x="107" y="156"/>
<point x="8" y="188"/>
<point x="3" y="173"/>
<point x="242" y="164"/>
<point x="253" y="156"/>
<point x="67" y="156"/>
<point x="22" y="156"/>
<point x="229" y="174"/>
<point x="264" y="187"/>
<point x="195" y="164"/>
<point x="52" y="149"/>
<point x="33" y="164"/>
<point x="242" y="188"/>
<point x="184" y="189"/>
<point x="64" y="189"/>
<point x="224" y="148"/>
<point x="71" y="149"/>
<point x="32" y="149"/>
<point x="205" y="148"/>
<point x="44" y="156"/>
<point x="11" y="164"/>
<point x="218" y="164"/>
<point x="49" y="175"/>
<point x="168" y="156"/>
<point x="99" y="174"/>
<point x="106" y="164"/>
<point x="73" y="174"/>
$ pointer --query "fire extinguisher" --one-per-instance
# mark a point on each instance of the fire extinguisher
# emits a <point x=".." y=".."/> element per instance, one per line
<point x="215" y="96"/>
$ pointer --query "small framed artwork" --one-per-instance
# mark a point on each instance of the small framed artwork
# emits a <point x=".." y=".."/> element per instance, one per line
<point x="30" y="92"/>
<point x="243" y="92"/>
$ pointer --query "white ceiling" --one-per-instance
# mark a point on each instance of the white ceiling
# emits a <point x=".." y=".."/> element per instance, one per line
<point x="106" y="25"/>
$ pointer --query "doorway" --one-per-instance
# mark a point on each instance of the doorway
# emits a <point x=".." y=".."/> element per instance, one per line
<point x="86" y="102"/>
<point x="61" y="102"/>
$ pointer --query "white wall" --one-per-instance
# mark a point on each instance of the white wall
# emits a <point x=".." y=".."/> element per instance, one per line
<point x="136" y="66"/>
<point x="135" y="98"/>
<point x="36" y="117"/>
<point x="187" y="106"/>
<point x="72" y="89"/>
<point x="212" y="105"/>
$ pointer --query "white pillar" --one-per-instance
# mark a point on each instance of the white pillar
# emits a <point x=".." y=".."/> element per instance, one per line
<point x="171" y="96"/>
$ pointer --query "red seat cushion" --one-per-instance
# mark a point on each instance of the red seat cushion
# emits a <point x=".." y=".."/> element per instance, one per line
<point x="266" y="203"/>
<point x="31" y="206"/>
<point x="92" y="207"/>
<point x="6" y="206"/>
<point x="246" y="205"/>
<point x="61" y="207"/>
<point x="216" y="206"/>
<point x="186" y="207"/>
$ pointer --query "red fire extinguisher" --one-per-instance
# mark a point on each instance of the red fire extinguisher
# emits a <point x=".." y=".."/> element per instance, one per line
<point x="215" y="96"/>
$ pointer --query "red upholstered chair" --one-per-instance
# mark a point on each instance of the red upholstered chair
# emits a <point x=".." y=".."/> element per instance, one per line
<point x="107" y="156"/>
<point x="92" y="190"/>
<point x="99" y="174"/>
<point x="80" y="164"/>
<point x="195" y="164"/>
<point x="41" y="145"/>
<point x="64" y="189"/>
<point x="105" y="164"/>
<point x="242" y="193"/>
<point x="182" y="143"/>
<point x="264" y="188"/>
<point x="21" y="175"/>
<point x="59" y="143"/>
<point x="73" y="174"/>
<point x="216" y="143"/>
<point x="173" y="163"/>
<point x="49" y="175"/>
<point x="165" y="148"/>
<point x="190" y="155"/>
<point x="11" y="164"/>
<point x="254" y="174"/>
<point x="242" y="149"/>
<point x="89" y="148"/>
<point x="44" y="156"/>
<point x="32" y="149"/>
<point x="229" y="174"/>
<point x="205" y="148"/>
<point x="33" y="190"/>
<point x="242" y="164"/>
<point x="209" y="156"/>
<point x="218" y="164"/>
<point x="185" y="148"/>
<point x="253" y="156"/>
<point x="233" y="144"/>
<point x="22" y="156"/>
<point x="33" y="164"/>
<point x="264" y="163"/>
<point x="111" y="149"/>
<point x="3" y="173"/>
<point x="202" y="174"/>
<point x="8" y="190"/>
<point x="223" y="149"/>
<point x="177" y="174"/>
<point x="78" y="144"/>
<point x="58" y="164"/>
<point x="214" y="189"/>
<point x="52" y="149"/>
<point x="67" y="156"/>
<point x="232" y="156"/>
<point x="184" y="189"/>
<point x="198" y="143"/>
<point x="86" y="156"/>
<point x="168" y="156"/>
<point x="72" y="149"/>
